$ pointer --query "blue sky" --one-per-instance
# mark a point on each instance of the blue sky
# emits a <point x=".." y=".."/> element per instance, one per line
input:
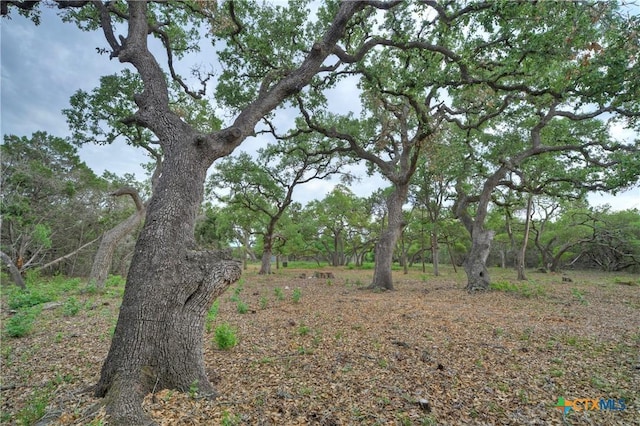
<point x="41" y="67"/>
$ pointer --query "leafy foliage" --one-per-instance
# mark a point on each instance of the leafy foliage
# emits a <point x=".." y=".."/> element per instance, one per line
<point x="225" y="336"/>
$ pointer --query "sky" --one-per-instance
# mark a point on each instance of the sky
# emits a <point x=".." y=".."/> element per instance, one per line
<point x="42" y="66"/>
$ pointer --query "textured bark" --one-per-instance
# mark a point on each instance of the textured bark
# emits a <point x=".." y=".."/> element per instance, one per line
<point x="110" y="240"/>
<point x="170" y="286"/>
<point x="476" y="263"/>
<point x="265" y="264"/>
<point x="382" y="276"/>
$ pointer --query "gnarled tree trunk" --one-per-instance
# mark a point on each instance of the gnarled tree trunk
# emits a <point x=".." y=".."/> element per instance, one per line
<point x="475" y="264"/>
<point x="170" y="287"/>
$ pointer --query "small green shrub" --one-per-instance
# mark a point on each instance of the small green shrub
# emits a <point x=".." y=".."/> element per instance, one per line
<point x="229" y="419"/>
<point x="193" y="389"/>
<point x="279" y="293"/>
<point x="297" y="294"/>
<point x="115" y="281"/>
<point x="242" y="307"/>
<point x="505" y="286"/>
<point x="28" y="298"/>
<point x="71" y="307"/>
<point x="263" y="302"/>
<point x="524" y="289"/>
<point x="579" y="296"/>
<point x="21" y="323"/>
<point x="212" y="313"/>
<point x="63" y="284"/>
<point x="303" y="330"/>
<point x="225" y="336"/>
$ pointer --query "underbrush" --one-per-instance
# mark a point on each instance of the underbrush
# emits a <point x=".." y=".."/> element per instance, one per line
<point x="527" y="289"/>
<point x="26" y="305"/>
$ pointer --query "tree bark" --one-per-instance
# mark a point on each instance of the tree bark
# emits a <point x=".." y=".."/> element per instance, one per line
<point x="110" y="240"/>
<point x="265" y="265"/>
<point x="13" y="270"/>
<point x="170" y="286"/>
<point x="476" y="263"/>
<point x="382" y="277"/>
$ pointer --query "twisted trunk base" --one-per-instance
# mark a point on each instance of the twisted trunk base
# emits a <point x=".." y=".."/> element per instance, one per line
<point x="158" y="342"/>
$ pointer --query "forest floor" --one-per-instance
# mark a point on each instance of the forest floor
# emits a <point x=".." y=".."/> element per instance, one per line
<point x="325" y="351"/>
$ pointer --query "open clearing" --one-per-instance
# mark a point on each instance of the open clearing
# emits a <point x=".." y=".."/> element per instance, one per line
<point x="325" y="351"/>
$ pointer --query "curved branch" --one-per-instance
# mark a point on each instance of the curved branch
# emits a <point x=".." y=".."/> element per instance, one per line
<point x="127" y="190"/>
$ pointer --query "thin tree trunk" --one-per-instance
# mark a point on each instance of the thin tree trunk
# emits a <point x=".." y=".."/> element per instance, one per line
<point x="13" y="270"/>
<point x="435" y="253"/>
<point x="453" y="261"/>
<point x="110" y="239"/>
<point x="523" y="250"/>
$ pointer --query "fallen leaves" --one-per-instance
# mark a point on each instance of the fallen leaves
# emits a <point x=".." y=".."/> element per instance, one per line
<point x="343" y="356"/>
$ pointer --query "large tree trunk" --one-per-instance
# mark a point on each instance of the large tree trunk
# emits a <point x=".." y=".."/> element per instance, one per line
<point x="265" y="265"/>
<point x="267" y="251"/>
<point x="476" y="263"/>
<point x="111" y="239"/>
<point x="170" y="287"/>
<point x="382" y="277"/>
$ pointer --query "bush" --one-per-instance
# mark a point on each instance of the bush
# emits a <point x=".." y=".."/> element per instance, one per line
<point x="21" y="323"/>
<point x="115" y="281"/>
<point x="297" y="294"/>
<point x="225" y="336"/>
<point x="212" y="313"/>
<point x="28" y="298"/>
<point x="71" y="307"/>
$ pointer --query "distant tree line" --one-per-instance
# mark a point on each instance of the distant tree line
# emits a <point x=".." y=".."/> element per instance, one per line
<point x="53" y="205"/>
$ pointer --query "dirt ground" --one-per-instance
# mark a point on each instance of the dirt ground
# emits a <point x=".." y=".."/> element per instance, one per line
<point x="427" y="353"/>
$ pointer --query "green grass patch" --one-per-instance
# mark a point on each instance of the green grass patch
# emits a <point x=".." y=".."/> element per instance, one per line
<point x="242" y="307"/>
<point x="278" y="293"/>
<point x="524" y="289"/>
<point x="36" y="407"/>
